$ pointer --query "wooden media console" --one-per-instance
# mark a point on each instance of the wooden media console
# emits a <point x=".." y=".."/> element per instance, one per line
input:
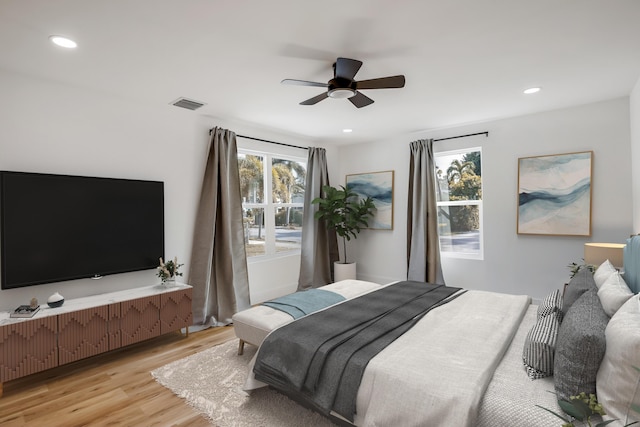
<point x="85" y="327"/>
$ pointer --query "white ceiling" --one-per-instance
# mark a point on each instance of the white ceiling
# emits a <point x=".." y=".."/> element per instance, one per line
<point x="465" y="61"/>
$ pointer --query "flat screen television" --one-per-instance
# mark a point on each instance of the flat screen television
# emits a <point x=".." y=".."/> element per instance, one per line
<point x="62" y="227"/>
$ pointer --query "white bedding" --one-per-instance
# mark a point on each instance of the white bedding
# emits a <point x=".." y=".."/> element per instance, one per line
<point x="511" y="396"/>
<point x="412" y="383"/>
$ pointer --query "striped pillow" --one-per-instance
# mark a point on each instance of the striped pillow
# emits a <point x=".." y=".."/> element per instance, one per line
<point x="552" y="303"/>
<point x="540" y="346"/>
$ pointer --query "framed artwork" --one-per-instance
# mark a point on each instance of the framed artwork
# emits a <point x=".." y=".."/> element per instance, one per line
<point x="554" y="194"/>
<point x="378" y="186"/>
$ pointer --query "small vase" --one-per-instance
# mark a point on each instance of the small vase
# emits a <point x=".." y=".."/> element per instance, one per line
<point x="55" y="300"/>
<point x="171" y="281"/>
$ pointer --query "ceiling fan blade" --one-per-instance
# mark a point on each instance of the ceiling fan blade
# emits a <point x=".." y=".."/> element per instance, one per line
<point x="347" y="68"/>
<point x="302" y="83"/>
<point x="360" y="100"/>
<point x="393" y="82"/>
<point x="315" y="99"/>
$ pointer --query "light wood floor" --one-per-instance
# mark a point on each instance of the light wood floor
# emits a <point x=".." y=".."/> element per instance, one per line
<point x="113" y="389"/>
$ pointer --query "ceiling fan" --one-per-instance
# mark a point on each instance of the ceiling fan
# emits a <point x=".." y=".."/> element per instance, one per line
<point x="342" y="85"/>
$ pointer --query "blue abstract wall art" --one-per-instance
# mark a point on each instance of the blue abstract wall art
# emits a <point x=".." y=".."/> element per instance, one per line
<point x="554" y="194"/>
<point x="378" y="186"/>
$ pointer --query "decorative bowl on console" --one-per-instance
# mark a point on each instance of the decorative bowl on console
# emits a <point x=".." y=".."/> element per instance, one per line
<point x="55" y="300"/>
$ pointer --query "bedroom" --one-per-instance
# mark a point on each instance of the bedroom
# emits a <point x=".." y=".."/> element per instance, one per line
<point x="53" y="124"/>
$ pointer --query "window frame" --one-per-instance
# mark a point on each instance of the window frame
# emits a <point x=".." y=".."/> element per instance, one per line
<point x="268" y="205"/>
<point x="479" y="255"/>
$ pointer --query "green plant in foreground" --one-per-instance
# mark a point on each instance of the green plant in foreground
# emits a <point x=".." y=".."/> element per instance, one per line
<point x="581" y="408"/>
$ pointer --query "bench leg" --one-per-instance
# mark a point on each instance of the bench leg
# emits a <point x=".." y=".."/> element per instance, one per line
<point x="240" y="348"/>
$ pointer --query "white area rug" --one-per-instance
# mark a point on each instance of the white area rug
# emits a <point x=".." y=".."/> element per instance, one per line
<point x="211" y="382"/>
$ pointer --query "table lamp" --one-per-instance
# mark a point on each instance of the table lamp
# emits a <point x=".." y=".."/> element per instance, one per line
<point x="597" y="253"/>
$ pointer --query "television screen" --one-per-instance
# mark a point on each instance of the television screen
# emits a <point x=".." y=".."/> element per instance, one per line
<point x="60" y="227"/>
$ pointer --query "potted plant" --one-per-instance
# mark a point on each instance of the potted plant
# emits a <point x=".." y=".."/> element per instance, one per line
<point x="346" y="214"/>
<point x="168" y="271"/>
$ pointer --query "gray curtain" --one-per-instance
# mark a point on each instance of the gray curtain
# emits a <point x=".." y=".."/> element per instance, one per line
<point x="218" y="271"/>
<point x="319" y="246"/>
<point x="423" y="249"/>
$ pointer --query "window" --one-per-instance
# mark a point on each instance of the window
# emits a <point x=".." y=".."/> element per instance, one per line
<point x="272" y="219"/>
<point x="459" y="200"/>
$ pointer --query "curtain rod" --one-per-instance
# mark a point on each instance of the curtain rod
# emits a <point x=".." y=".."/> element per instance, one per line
<point x="463" y="136"/>
<point x="304" y="148"/>
<point x="265" y="140"/>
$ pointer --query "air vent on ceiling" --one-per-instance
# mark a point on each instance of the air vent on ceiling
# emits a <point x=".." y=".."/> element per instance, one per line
<point x="189" y="104"/>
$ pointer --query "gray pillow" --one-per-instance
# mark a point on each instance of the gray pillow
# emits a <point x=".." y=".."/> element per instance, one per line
<point x="578" y="285"/>
<point x="580" y="346"/>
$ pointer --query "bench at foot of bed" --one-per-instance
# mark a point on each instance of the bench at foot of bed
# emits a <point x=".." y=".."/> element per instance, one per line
<point x="254" y="324"/>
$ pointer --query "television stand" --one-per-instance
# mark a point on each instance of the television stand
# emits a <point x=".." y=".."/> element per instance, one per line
<point x="85" y="327"/>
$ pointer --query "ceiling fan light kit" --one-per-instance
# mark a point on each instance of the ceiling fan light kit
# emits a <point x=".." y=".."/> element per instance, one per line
<point x="343" y="85"/>
<point x="341" y="93"/>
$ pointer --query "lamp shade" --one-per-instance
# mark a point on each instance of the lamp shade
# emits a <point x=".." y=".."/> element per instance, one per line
<point x="597" y="253"/>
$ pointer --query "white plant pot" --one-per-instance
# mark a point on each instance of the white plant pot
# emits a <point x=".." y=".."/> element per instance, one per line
<point x="344" y="271"/>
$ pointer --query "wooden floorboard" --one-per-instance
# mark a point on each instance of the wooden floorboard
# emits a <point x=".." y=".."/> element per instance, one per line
<point x="112" y="389"/>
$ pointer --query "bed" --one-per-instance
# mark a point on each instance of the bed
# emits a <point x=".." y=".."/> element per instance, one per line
<point x="462" y="363"/>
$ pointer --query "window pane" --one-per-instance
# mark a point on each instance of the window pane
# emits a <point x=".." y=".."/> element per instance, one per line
<point x="459" y="228"/>
<point x="250" y="168"/>
<point x="288" y="228"/>
<point x="254" y="231"/>
<point x="459" y="176"/>
<point x="288" y="181"/>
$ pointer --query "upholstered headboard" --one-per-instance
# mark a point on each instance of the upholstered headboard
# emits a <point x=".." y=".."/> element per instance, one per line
<point x="632" y="263"/>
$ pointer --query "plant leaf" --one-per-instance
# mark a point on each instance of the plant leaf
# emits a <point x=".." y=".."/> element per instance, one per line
<point x="604" y="423"/>
<point x="554" y="413"/>
<point x="574" y="408"/>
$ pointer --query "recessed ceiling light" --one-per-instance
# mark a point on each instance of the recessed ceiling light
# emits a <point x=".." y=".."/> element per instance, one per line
<point x="347" y="130"/>
<point x="63" y="42"/>
<point x="532" y="90"/>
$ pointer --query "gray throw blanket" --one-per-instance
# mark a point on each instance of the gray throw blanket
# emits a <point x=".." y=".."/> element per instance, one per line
<point x="305" y="302"/>
<point x="321" y="358"/>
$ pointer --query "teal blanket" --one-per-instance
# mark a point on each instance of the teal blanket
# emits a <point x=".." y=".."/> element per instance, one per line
<point x="304" y="302"/>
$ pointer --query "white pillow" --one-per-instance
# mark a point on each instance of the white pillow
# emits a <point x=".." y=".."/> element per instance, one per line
<point x="617" y="381"/>
<point x="603" y="272"/>
<point x="613" y="293"/>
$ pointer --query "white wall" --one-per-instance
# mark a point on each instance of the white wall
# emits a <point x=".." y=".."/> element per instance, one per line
<point x="52" y="128"/>
<point x="513" y="263"/>
<point x="634" y="114"/>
